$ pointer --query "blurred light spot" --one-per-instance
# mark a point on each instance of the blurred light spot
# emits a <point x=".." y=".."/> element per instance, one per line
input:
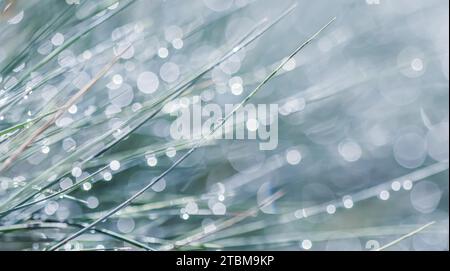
<point x="410" y="62"/>
<point x="350" y="150"/>
<point x="191" y="208"/>
<point x="378" y="136"/>
<point x="252" y="125"/>
<point x="219" y="208"/>
<point x="152" y="161"/>
<point x="331" y="209"/>
<point x="87" y="55"/>
<point x="177" y="43"/>
<point x="65" y="183"/>
<point x="117" y="79"/>
<point x="237" y="89"/>
<point x="136" y="107"/>
<point x="17" y="18"/>
<point x="292" y="106"/>
<point x="147" y="82"/>
<point x="92" y="202"/>
<point x="159" y="186"/>
<point x="125" y="224"/>
<point x="425" y="197"/>
<point x="396" y="186"/>
<point x="410" y="150"/>
<point x="124" y="49"/>
<point x="231" y="65"/>
<point x="114" y="6"/>
<point x="299" y="214"/>
<point x="293" y="156"/>
<point x="348" y="202"/>
<point x="58" y="39"/>
<point x="66" y="59"/>
<point x="51" y="207"/>
<point x="384" y="195"/>
<point x="306" y="244"/>
<point x="76" y="172"/>
<point x="69" y="144"/>
<point x="163" y="52"/>
<point x="171" y="152"/>
<point x="290" y="65"/>
<point x="107" y="176"/>
<point x="407" y="184"/>
<point x="73" y="109"/>
<point x="87" y="186"/>
<point x="169" y="72"/>
<point x="209" y="228"/>
<point x="45" y="149"/>
<point x="114" y="165"/>
<point x="417" y="64"/>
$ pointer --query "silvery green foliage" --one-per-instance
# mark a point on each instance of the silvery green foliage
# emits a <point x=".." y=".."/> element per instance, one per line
<point x="362" y="155"/>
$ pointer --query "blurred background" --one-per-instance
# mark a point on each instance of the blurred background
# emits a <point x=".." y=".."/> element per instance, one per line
<point x="362" y="157"/>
